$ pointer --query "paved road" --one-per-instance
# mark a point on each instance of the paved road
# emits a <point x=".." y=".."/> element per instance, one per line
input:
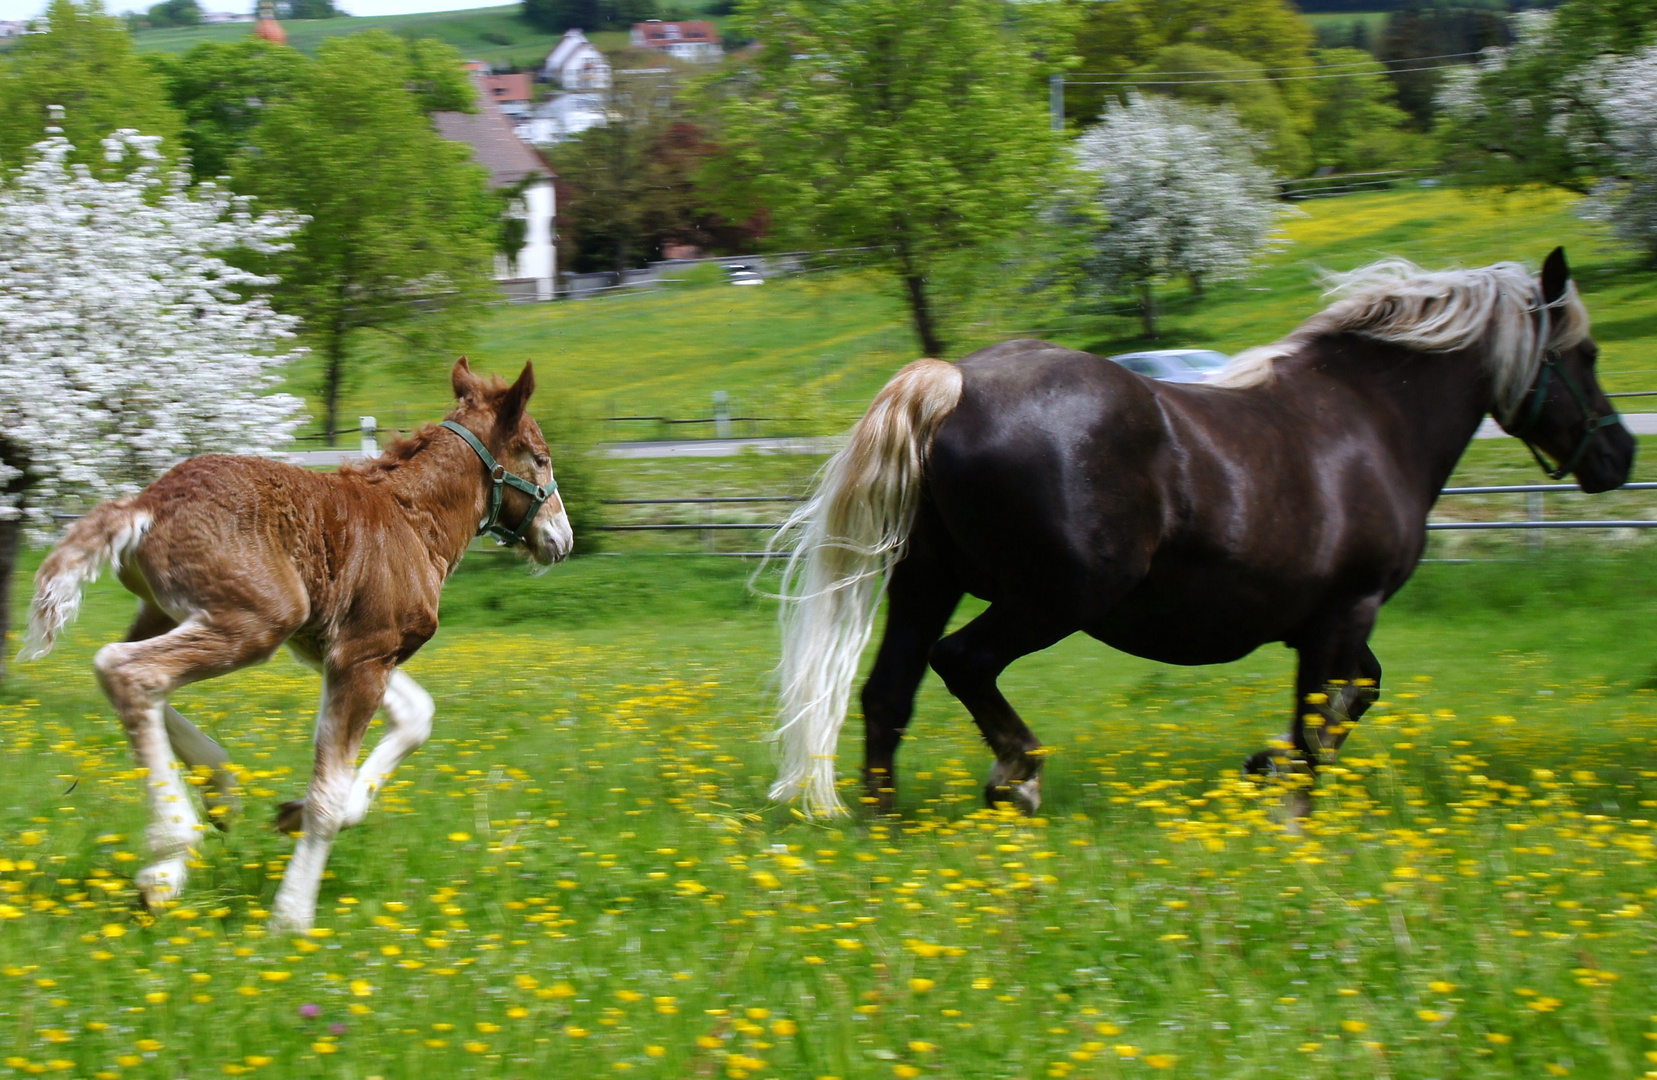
<point x="1638" y="423"/>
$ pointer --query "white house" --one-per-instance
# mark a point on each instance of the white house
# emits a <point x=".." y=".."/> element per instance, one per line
<point x="576" y="64"/>
<point x="518" y="173"/>
<point x="695" y="40"/>
<point x="562" y="116"/>
<point x="214" y="18"/>
<point x="9" y="29"/>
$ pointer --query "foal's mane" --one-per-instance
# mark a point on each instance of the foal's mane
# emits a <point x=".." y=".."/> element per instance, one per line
<point x="396" y="455"/>
<point x="1397" y="302"/>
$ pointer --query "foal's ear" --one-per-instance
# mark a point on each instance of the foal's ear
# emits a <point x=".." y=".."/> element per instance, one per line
<point x="1555" y="275"/>
<point x="517" y="396"/>
<point x="466" y="384"/>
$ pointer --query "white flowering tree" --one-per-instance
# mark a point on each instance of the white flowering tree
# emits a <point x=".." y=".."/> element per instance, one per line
<point x="1625" y="91"/>
<point x="1182" y="197"/>
<point x="127" y="341"/>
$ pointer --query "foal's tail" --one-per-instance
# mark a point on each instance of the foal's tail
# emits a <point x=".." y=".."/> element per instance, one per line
<point x="109" y="534"/>
<point x="844" y="543"/>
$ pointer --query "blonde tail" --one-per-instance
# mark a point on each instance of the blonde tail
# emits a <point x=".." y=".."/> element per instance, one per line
<point x="843" y="544"/>
<point x="109" y="533"/>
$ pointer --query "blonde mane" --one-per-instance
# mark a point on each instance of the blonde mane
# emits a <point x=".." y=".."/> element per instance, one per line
<point x="1395" y="301"/>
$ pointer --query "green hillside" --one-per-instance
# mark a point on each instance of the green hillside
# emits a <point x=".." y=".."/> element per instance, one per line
<point x="465" y="30"/>
<point x="817" y="347"/>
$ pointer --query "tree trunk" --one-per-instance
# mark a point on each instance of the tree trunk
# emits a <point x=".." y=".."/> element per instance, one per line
<point x="332" y="373"/>
<point x="11" y="529"/>
<point x="1147" y="310"/>
<point x="1197" y="289"/>
<point x="921" y="311"/>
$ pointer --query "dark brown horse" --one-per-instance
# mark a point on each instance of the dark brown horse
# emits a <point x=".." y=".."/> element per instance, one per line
<point x="233" y="557"/>
<point x="1189" y="524"/>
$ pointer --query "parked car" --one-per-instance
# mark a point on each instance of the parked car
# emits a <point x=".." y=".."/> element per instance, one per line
<point x="743" y="274"/>
<point x="1174" y="365"/>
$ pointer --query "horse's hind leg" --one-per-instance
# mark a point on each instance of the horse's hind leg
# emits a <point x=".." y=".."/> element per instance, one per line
<point x="138" y="677"/>
<point x="970" y="661"/>
<point x="920" y="601"/>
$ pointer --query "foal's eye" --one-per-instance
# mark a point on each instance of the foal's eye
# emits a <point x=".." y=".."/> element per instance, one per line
<point x="542" y="461"/>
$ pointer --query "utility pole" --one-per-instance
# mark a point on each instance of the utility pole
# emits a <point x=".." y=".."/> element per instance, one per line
<point x="1055" y="100"/>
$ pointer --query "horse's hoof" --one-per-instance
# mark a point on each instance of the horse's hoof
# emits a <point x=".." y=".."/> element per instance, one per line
<point x="1259" y="764"/>
<point x="1023" y="795"/>
<point x="290" y="816"/>
<point x="1026" y="795"/>
<point x="160" y="883"/>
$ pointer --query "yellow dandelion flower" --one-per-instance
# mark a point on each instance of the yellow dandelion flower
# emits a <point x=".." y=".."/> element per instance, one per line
<point x="1439" y="986"/>
<point x="655" y="1051"/>
<point x="1353" y="1027"/>
<point x="460" y="837"/>
<point x="920" y="985"/>
<point x="1161" y="1061"/>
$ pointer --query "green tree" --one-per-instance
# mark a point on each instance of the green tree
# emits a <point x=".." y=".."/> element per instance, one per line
<point x="402" y="225"/>
<point x="561" y="15"/>
<point x="1533" y="116"/>
<point x="86" y="64"/>
<point x="222" y="89"/>
<point x="1125" y="35"/>
<point x="1229" y="80"/>
<point x="911" y="128"/>
<point x="175" y="13"/>
<point x="1356" y="125"/>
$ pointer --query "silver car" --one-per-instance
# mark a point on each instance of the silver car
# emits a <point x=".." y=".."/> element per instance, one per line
<point x="1174" y="365"/>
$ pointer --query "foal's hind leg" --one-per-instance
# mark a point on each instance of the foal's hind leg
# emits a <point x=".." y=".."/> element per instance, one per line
<point x="970" y="661"/>
<point x="138" y="677"/>
<point x="196" y="748"/>
<point x="919" y="603"/>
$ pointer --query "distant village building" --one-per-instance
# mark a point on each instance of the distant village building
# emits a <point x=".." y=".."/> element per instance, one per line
<point x="576" y="64"/>
<point x="213" y="18"/>
<point x="583" y="75"/>
<point x="513" y="94"/>
<point x="696" y="40"/>
<point x="517" y="171"/>
<point x="10" y="29"/>
<point x="267" y="27"/>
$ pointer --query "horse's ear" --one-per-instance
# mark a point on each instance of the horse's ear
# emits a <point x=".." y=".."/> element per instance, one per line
<point x="517" y="395"/>
<point x="464" y="382"/>
<point x="1555" y="275"/>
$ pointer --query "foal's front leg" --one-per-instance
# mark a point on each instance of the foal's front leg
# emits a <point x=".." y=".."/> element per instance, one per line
<point x="408" y="713"/>
<point x="350" y="696"/>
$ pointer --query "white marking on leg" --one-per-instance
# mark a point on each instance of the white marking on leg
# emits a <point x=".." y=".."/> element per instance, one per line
<point x="408" y="712"/>
<point x="174" y="828"/>
<point x="295" y="905"/>
<point x="199" y="750"/>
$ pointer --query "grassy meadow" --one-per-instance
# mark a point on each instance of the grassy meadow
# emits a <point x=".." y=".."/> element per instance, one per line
<point x="581" y="871"/>
<point x="812" y="350"/>
<point x="476" y="32"/>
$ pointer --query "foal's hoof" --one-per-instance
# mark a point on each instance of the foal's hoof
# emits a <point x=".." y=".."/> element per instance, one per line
<point x="290" y="816"/>
<point x="1260" y="764"/>
<point x="160" y="883"/>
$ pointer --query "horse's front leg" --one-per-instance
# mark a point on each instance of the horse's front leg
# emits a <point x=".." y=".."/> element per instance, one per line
<point x="408" y="712"/>
<point x="1338" y="679"/>
<point x="351" y="693"/>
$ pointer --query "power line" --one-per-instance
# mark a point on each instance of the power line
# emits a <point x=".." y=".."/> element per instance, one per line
<point x="1285" y="78"/>
<point x="1298" y="67"/>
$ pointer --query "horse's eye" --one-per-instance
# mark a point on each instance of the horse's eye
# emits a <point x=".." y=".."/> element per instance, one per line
<point x="542" y="461"/>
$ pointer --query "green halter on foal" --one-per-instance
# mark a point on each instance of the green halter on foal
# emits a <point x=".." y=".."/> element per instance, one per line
<point x="498" y="476"/>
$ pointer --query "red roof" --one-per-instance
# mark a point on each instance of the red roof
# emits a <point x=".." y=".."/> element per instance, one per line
<point x="501" y="88"/>
<point x="659" y="35"/>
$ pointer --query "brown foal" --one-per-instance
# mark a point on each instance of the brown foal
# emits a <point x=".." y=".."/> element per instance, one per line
<point x="232" y="557"/>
